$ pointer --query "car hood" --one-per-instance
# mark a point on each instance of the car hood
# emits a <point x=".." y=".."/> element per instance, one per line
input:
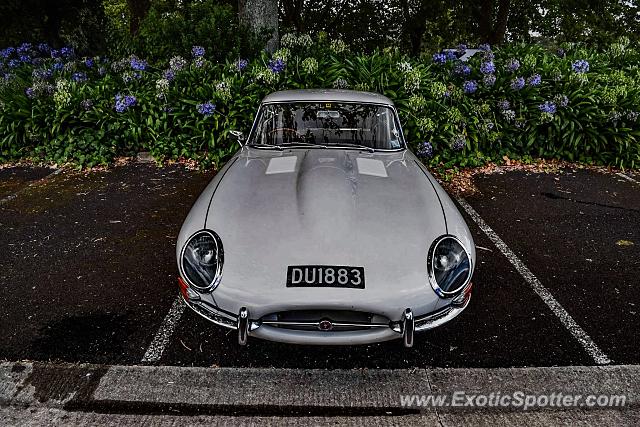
<point x="273" y="209"/>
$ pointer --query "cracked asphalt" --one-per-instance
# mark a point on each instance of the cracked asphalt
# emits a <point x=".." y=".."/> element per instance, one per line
<point x="88" y="274"/>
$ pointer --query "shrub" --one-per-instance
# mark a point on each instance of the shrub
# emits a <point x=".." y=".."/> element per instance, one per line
<point x="577" y="104"/>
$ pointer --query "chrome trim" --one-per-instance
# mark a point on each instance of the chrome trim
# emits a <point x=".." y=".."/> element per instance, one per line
<point x="239" y="136"/>
<point x="430" y="268"/>
<point x="408" y="328"/>
<point x="219" y="258"/>
<point x="440" y="317"/>
<point x="243" y="326"/>
<point x="211" y="314"/>
<point x="316" y="324"/>
<point x="315" y="337"/>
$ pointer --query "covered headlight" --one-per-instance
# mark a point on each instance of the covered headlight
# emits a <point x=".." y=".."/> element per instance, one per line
<point x="201" y="260"/>
<point x="449" y="266"/>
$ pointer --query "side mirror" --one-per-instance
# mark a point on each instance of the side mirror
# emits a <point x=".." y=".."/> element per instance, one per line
<point x="239" y="136"/>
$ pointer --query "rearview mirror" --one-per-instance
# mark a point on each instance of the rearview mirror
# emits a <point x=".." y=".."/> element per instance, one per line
<point x="239" y="136"/>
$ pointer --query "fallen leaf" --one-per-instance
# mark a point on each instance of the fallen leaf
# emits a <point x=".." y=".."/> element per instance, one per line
<point x="624" y="243"/>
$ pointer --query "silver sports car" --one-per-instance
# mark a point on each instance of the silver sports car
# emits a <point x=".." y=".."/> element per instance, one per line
<point x="324" y="228"/>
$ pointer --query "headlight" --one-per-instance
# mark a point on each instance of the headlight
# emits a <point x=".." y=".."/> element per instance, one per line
<point x="201" y="260"/>
<point x="449" y="266"/>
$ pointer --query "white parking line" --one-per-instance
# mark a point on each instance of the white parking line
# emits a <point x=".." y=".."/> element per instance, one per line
<point x="163" y="336"/>
<point x="627" y="177"/>
<point x="578" y="333"/>
<point x="10" y="197"/>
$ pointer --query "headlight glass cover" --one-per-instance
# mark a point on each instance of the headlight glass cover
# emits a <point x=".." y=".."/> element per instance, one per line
<point x="202" y="259"/>
<point x="449" y="266"/>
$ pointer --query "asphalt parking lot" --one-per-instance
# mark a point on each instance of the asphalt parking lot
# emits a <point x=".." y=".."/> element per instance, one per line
<point x="88" y="275"/>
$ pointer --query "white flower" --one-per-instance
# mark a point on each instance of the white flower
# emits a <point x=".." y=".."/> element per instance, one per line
<point x="304" y="40"/>
<point x="223" y="90"/>
<point x="338" y="46"/>
<point x="404" y="66"/>
<point x="310" y="65"/>
<point x="177" y="63"/>
<point x="162" y="87"/>
<point x="289" y="40"/>
<point x="340" y="84"/>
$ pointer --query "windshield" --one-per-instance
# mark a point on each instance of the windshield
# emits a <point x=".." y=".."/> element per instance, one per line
<point x="326" y="124"/>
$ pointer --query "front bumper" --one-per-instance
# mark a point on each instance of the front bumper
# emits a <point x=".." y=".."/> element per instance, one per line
<point x="365" y="333"/>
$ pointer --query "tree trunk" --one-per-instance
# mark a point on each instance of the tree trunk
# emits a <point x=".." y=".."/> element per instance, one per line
<point x="261" y="15"/>
<point x="485" y="13"/>
<point x="292" y="14"/>
<point x="414" y="25"/>
<point x="500" y="28"/>
<point x="137" y="10"/>
<point x="490" y="31"/>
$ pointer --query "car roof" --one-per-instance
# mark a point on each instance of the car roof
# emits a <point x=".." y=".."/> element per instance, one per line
<point x="324" y="95"/>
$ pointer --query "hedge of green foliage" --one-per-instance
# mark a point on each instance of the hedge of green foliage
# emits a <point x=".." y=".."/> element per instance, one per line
<point x="520" y="101"/>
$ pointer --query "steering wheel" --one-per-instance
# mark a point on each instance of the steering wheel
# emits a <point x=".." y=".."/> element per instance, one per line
<point x="283" y="130"/>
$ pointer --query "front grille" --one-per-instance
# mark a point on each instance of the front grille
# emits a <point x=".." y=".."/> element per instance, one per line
<point x="325" y="320"/>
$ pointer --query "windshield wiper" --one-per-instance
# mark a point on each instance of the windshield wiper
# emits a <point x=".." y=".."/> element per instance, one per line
<point x="301" y="144"/>
<point x="355" y="146"/>
<point x="268" y="146"/>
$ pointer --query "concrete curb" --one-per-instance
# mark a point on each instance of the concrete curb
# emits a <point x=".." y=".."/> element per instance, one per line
<point x="161" y="390"/>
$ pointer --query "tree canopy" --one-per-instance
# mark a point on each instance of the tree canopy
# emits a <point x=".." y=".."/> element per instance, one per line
<point x="412" y="25"/>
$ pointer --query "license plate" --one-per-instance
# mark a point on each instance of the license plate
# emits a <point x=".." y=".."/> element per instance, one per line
<point x="325" y="276"/>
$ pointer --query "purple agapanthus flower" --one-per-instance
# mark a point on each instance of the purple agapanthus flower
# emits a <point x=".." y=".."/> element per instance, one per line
<point x="462" y="69"/>
<point x="241" y="64"/>
<point x="25" y="58"/>
<point x="57" y="66"/>
<point x="504" y="104"/>
<point x="67" y="52"/>
<point x="41" y="74"/>
<point x="561" y="100"/>
<point x="24" y="49"/>
<point x="89" y="62"/>
<point x="197" y="51"/>
<point x="580" y="66"/>
<point x="488" y="67"/>
<point x="462" y="49"/>
<point x="79" y="77"/>
<point x="277" y="65"/>
<point x="470" y="86"/>
<point x="485" y="46"/>
<point x="458" y="142"/>
<point x="451" y="55"/>
<point x="55" y="53"/>
<point x="30" y="93"/>
<point x="86" y="104"/>
<point x="13" y="63"/>
<point x="102" y="71"/>
<point x="138" y="64"/>
<point x="517" y="83"/>
<point x="439" y="58"/>
<point x="425" y="150"/>
<point x="169" y="74"/>
<point x="44" y="48"/>
<point x="548" y="107"/>
<point x="5" y="53"/>
<point x="206" y="108"/>
<point x="534" y="80"/>
<point x="489" y="79"/>
<point x="561" y="53"/>
<point x="512" y="65"/>
<point x="123" y="103"/>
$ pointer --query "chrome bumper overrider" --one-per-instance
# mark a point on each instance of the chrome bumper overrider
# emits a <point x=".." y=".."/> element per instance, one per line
<point x="366" y="332"/>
